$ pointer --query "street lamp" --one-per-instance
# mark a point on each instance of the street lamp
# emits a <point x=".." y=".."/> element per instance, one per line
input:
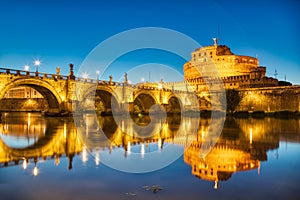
<point x="26" y="68"/>
<point x="85" y="75"/>
<point x="37" y="63"/>
<point x="97" y="72"/>
<point x="160" y="87"/>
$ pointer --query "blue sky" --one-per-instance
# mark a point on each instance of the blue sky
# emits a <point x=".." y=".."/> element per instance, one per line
<point x="63" y="32"/>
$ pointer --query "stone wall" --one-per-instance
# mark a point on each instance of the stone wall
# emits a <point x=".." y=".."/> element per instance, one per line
<point x="270" y="99"/>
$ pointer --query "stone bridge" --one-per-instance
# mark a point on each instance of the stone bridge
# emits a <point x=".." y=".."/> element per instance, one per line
<point x="66" y="94"/>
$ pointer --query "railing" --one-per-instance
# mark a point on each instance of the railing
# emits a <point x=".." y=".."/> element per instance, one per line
<point x="17" y="72"/>
<point x="42" y="75"/>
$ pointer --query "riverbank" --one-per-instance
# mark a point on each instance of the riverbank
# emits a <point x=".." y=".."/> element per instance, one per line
<point x="203" y="113"/>
<point x="253" y="114"/>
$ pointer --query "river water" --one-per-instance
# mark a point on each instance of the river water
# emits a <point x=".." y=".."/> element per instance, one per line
<point x="173" y="158"/>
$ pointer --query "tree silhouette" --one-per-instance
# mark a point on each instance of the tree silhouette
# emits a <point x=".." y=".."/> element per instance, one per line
<point x="233" y="98"/>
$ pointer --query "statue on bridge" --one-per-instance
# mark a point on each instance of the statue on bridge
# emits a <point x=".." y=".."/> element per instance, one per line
<point x="57" y="70"/>
<point x="125" y="78"/>
<point x="110" y="79"/>
<point x="71" y="74"/>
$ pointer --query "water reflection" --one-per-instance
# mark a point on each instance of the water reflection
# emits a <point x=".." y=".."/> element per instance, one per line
<point x="19" y="130"/>
<point x="232" y="153"/>
<point x="242" y="146"/>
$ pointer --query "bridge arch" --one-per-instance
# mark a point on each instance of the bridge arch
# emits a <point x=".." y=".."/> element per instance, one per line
<point x="100" y="98"/>
<point x="43" y="87"/>
<point x="175" y="104"/>
<point x="143" y="100"/>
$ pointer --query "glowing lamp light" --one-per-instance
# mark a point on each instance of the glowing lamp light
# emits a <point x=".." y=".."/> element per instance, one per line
<point x="35" y="171"/>
<point x="37" y="62"/>
<point x="85" y="75"/>
<point x="216" y="184"/>
<point x="129" y="148"/>
<point x="143" y="79"/>
<point x="142" y="150"/>
<point x="97" y="158"/>
<point x="159" y="143"/>
<point x="159" y="86"/>
<point x="98" y="72"/>
<point x="26" y="68"/>
<point x="84" y="155"/>
<point x="24" y="165"/>
<point x="250" y="136"/>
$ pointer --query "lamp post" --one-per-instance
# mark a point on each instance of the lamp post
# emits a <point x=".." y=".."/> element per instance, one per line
<point x="37" y="63"/>
<point x="26" y="68"/>
<point x="85" y="76"/>
<point x="97" y="72"/>
<point x="160" y="87"/>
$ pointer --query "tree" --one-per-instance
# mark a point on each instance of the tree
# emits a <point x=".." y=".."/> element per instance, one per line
<point x="233" y="99"/>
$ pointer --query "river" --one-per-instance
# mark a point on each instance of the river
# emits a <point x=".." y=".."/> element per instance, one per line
<point x="176" y="157"/>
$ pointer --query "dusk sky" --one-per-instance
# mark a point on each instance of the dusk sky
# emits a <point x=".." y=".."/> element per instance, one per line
<point x="63" y="32"/>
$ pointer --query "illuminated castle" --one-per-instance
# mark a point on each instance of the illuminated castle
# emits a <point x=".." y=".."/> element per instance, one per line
<point x="236" y="71"/>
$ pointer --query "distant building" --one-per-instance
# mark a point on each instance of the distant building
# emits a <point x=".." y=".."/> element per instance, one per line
<point x="23" y="92"/>
<point x="217" y="61"/>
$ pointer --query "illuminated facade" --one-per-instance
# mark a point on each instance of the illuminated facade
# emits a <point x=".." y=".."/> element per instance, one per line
<point x="23" y="92"/>
<point x="217" y="61"/>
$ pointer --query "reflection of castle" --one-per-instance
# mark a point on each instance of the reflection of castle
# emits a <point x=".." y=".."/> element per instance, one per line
<point x="232" y="153"/>
<point x="220" y="163"/>
<point x="236" y="71"/>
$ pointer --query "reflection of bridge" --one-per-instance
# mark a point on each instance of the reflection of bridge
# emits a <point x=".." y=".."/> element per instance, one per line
<point x="58" y="141"/>
<point x="69" y="93"/>
<point x="238" y="150"/>
<point x="62" y="138"/>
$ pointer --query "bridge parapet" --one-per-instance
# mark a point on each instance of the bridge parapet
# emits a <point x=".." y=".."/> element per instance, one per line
<point x="26" y="74"/>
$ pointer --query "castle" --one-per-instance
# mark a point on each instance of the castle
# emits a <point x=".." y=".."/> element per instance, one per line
<point x="236" y="71"/>
<point x="217" y="64"/>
